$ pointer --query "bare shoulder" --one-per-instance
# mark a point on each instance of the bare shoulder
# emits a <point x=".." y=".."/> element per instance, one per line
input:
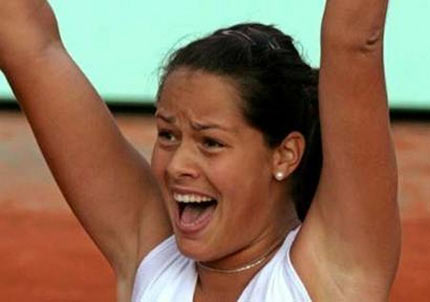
<point x="327" y="278"/>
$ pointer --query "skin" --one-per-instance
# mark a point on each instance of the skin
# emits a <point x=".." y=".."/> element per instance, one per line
<point x="214" y="159"/>
<point x="348" y="246"/>
<point x="206" y="146"/>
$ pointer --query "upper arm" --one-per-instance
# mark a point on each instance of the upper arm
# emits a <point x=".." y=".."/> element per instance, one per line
<point x="107" y="183"/>
<point x="352" y="229"/>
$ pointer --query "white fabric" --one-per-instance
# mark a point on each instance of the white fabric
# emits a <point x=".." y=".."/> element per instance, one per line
<point x="165" y="275"/>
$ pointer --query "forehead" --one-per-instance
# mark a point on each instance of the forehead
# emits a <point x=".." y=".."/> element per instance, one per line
<point x="198" y="94"/>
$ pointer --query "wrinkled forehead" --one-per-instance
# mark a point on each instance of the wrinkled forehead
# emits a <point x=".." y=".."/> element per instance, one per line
<point x="199" y="95"/>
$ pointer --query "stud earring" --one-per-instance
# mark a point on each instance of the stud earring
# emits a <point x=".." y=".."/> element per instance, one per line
<point x="279" y="176"/>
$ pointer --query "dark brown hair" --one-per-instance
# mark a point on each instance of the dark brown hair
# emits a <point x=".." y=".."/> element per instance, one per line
<point x="278" y="88"/>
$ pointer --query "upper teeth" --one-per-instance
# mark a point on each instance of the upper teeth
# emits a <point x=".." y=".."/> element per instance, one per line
<point x="190" y="198"/>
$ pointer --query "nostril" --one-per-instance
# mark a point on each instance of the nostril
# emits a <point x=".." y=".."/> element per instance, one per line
<point x="182" y="173"/>
<point x="177" y="170"/>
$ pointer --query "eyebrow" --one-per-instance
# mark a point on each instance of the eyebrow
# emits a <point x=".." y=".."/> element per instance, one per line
<point x="167" y="118"/>
<point x="200" y="127"/>
<point x="197" y="126"/>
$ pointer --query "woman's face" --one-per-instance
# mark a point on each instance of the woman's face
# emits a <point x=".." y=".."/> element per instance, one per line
<point x="215" y="171"/>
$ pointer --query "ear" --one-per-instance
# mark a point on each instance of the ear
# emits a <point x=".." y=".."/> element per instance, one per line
<point x="287" y="156"/>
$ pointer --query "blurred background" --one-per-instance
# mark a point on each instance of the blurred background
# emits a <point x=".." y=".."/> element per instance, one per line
<point x="121" y="45"/>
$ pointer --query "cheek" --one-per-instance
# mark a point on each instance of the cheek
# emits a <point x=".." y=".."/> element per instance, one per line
<point x="241" y="176"/>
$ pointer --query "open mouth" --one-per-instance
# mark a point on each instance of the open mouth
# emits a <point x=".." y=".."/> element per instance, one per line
<point x="194" y="210"/>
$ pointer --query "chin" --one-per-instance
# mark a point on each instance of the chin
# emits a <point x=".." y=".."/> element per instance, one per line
<point x="194" y="249"/>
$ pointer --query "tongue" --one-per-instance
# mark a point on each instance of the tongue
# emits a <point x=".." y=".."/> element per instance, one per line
<point x="193" y="214"/>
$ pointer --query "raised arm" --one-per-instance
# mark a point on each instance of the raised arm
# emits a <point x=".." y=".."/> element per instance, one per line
<point x="352" y="231"/>
<point x="106" y="182"/>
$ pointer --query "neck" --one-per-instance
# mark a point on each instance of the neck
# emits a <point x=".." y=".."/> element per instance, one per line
<point x="215" y="280"/>
<point x="255" y="263"/>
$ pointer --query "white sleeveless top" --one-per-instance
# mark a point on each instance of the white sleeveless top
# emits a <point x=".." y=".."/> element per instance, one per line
<point x="165" y="275"/>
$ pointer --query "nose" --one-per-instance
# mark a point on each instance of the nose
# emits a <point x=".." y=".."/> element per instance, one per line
<point x="183" y="164"/>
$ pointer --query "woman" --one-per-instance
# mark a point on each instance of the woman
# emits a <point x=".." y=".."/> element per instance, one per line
<point x="230" y="183"/>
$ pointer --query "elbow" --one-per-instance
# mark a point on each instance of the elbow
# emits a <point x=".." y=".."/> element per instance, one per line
<point x="373" y="40"/>
<point x="354" y="40"/>
<point x="354" y="25"/>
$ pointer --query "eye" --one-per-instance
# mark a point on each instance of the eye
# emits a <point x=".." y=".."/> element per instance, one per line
<point x="166" y="136"/>
<point x="211" y="143"/>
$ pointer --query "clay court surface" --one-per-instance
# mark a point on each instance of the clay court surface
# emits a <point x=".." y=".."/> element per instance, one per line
<point x="45" y="255"/>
